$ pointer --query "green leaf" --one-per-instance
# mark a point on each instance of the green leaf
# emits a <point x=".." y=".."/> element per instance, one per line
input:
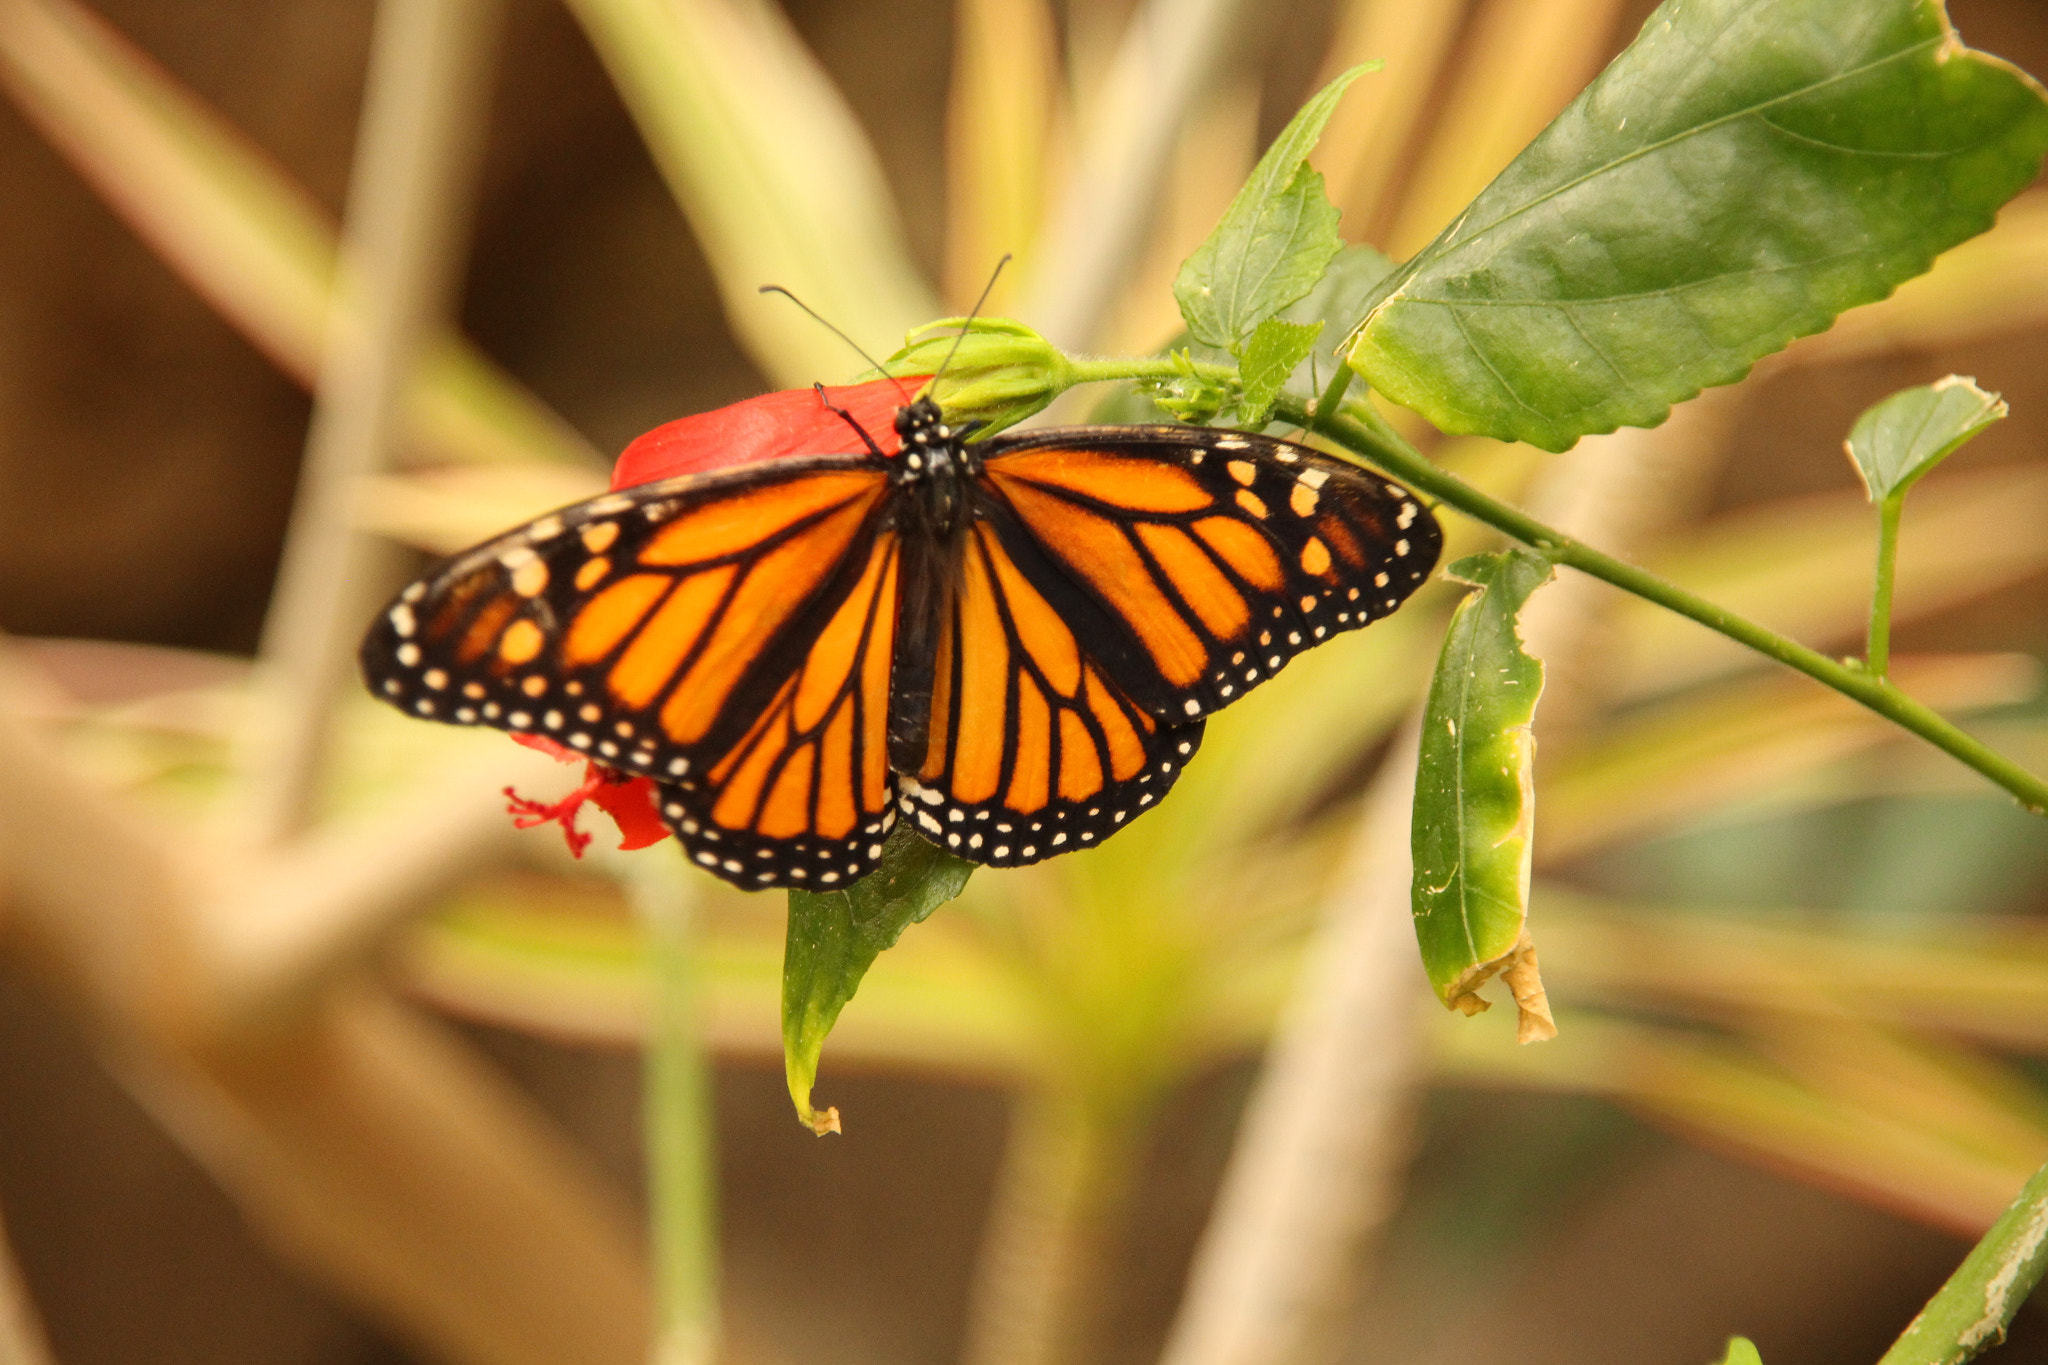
<point x="1273" y="242"/>
<point x="1909" y="433"/>
<point x="1474" y="802"/>
<point x="1337" y="301"/>
<point x="1347" y="288"/>
<point x="835" y="936"/>
<point x="1265" y="361"/>
<point x="1744" y="172"/>
<point x="1741" y="1351"/>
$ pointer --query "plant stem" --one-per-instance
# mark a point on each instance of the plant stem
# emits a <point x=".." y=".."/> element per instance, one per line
<point x="1041" y="1273"/>
<point x="1361" y="431"/>
<point x="1332" y="398"/>
<point x="1969" y="1314"/>
<point x="419" y="150"/>
<point x="1107" y="369"/>
<point x="1877" y="656"/>
<point x="676" y="1121"/>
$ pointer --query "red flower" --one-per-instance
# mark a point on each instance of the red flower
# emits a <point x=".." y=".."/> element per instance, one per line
<point x="629" y="800"/>
<point x="773" y="426"/>
<point x="788" y="422"/>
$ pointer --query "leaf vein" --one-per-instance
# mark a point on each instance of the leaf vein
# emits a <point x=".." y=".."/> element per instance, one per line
<point x="1696" y="130"/>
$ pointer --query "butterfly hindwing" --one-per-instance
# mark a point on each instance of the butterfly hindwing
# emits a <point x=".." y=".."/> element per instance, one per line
<point x="1031" y="748"/>
<point x="803" y="797"/>
<point x="1196" y="562"/>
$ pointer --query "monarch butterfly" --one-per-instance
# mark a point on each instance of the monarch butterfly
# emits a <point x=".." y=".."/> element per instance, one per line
<point x="1012" y="643"/>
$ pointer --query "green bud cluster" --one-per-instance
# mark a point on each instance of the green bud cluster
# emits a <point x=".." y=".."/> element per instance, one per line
<point x="990" y="370"/>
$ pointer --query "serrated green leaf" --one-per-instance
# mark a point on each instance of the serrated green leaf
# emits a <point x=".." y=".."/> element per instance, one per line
<point x="1474" y="802"/>
<point x="1337" y="301"/>
<point x="835" y="936"/>
<point x="1896" y="441"/>
<point x="1744" y="172"/>
<point x="1273" y="242"/>
<point x="1265" y="361"/>
<point x="1741" y="1351"/>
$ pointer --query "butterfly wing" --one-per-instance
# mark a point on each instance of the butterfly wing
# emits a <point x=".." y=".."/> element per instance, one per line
<point x="726" y="634"/>
<point x="1026" y="746"/>
<point x="1195" y="563"/>
<point x="802" y="798"/>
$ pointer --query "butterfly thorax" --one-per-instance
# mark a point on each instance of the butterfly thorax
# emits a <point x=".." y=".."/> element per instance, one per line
<point x="935" y="467"/>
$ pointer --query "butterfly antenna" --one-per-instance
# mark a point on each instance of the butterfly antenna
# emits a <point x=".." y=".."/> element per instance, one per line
<point x="821" y="321"/>
<point x="972" y="314"/>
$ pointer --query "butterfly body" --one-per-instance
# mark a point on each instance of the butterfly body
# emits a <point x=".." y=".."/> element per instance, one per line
<point x="1013" y="644"/>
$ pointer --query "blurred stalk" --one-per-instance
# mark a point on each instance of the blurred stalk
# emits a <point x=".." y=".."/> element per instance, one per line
<point x="373" y="1147"/>
<point x="1985" y="980"/>
<point x="776" y="176"/>
<point x="418" y="152"/>
<point x="368" y="1144"/>
<point x="1525" y="61"/>
<point x="21" y="1335"/>
<point x="1930" y="1140"/>
<point x="320" y="905"/>
<point x="1969" y="1314"/>
<point x="1325" y="1135"/>
<point x="1167" y="57"/>
<point x="1003" y="115"/>
<point x="1368" y="138"/>
<point x="676" y="1120"/>
<point x="1214" y="153"/>
<point x="1043" y="1276"/>
<point x="226" y="219"/>
<point x="1669" y="765"/>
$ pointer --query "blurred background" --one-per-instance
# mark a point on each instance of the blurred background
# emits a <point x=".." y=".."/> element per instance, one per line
<point x="256" y="1105"/>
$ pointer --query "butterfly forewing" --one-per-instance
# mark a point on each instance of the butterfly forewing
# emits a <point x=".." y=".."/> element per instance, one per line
<point x="1195" y="563"/>
<point x="716" y="633"/>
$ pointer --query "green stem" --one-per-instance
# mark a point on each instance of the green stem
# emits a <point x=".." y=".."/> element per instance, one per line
<point x="1878" y="656"/>
<point x="1107" y="369"/>
<point x="1332" y="398"/>
<point x="1969" y="1314"/>
<point x="1363" y="432"/>
<point x="676" y="1122"/>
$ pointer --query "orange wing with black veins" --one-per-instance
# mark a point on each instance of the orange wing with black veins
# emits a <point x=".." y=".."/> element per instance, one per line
<point x="1032" y="748"/>
<point x="1194" y="563"/>
<point x="728" y="635"/>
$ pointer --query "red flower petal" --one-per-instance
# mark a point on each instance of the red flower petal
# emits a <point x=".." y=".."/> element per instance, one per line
<point x="629" y="800"/>
<point x="787" y="422"/>
<point x="633" y="807"/>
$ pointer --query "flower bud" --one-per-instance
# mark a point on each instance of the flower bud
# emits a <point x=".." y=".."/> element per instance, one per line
<point x="989" y="370"/>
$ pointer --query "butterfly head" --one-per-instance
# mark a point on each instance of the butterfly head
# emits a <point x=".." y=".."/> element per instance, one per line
<point x="935" y="463"/>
